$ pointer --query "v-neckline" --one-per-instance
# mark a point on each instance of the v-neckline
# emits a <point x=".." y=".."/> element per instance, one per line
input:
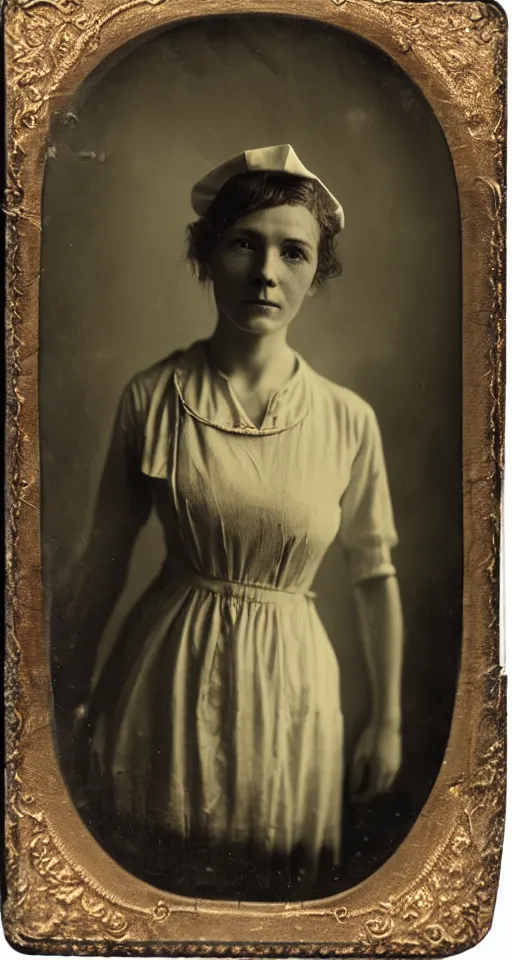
<point x="208" y="396"/>
<point x="238" y="403"/>
<point x="236" y="399"/>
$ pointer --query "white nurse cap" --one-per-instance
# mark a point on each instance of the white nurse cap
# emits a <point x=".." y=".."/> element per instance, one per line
<point x="278" y="159"/>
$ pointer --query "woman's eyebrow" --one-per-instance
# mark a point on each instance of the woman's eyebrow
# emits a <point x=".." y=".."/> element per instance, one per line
<point x="300" y="241"/>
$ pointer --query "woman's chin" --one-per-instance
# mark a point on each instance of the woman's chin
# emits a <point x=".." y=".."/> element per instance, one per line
<point x="259" y="322"/>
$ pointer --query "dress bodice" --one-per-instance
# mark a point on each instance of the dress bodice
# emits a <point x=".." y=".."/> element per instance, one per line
<point x="261" y="505"/>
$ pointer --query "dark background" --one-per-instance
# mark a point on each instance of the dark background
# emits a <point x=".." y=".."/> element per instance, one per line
<point x="116" y="295"/>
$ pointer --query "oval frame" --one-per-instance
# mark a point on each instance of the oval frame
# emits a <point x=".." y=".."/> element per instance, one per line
<point x="436" y="893"/>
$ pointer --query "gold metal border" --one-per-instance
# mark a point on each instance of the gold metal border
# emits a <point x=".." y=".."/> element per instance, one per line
<point x="436" y="895"/>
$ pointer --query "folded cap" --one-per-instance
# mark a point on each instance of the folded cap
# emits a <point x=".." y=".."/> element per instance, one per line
<point x="278" y="159"/>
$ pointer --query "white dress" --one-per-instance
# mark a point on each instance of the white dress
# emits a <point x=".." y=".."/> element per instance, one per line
<point x="223" y="718"/>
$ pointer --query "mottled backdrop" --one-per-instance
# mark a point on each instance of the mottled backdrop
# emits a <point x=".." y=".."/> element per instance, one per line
<point x="116" y="295"/>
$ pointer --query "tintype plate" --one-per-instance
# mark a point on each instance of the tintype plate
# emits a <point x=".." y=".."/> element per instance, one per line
<point x="114" y="110"/>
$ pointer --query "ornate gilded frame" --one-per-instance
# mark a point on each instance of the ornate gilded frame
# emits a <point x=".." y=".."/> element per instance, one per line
<point x="436" y="895"/>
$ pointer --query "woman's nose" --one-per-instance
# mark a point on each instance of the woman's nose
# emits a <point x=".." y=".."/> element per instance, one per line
<point x="266" y="273"/>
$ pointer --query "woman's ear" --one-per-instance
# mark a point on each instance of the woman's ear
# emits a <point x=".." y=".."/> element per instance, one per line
<point x="312" y="290"/>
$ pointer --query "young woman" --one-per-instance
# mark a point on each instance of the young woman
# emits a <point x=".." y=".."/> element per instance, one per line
<point x="217" y="721"/>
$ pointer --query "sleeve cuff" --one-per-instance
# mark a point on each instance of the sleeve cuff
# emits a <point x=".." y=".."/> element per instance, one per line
<point x="365" y="563"/>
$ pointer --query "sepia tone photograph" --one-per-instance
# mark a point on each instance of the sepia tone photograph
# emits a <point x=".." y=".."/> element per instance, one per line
<point x="255" y="698"/>
<point x="250" y="434"/>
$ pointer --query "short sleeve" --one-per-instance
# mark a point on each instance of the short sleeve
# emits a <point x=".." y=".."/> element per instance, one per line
<point x="129" y="423"/>
<point x="123" y="482"/>
<point x="367" y="529"/>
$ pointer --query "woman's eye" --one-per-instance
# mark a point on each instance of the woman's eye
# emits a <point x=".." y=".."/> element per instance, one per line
<point x="295" y="254"/>
<point x="241" y="243"/>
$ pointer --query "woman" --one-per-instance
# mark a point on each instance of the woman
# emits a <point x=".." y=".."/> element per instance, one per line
<point x="216" y="721"/>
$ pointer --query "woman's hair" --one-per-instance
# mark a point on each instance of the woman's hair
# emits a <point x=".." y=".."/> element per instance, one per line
<point x="248" y="192"/>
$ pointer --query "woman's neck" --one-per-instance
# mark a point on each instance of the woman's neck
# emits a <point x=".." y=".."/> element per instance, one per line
<point x="256" y="359"/>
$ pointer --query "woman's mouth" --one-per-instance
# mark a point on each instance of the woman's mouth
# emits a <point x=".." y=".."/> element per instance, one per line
<point x="262" y="303"/>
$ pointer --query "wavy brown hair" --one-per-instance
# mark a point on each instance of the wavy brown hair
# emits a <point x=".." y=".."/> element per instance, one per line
<point x="248" y="192"/>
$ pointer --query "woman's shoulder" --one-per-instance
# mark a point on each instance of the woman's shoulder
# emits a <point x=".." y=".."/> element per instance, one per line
<point x="344" y="403"/>
<point x="149" y="376"/>
<point x="142" y="387"/>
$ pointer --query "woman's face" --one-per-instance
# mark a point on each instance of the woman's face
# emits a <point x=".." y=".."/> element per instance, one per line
<point x="263" y="266"/>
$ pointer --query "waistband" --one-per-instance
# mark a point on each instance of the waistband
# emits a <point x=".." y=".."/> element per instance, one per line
<point x="255" y="592"/>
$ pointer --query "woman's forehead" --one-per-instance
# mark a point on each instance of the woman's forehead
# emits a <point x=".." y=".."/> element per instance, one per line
<point x="286" y="220"/>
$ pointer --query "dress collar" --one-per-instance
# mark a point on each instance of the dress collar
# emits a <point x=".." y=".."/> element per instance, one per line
<point x="207" y="395"/>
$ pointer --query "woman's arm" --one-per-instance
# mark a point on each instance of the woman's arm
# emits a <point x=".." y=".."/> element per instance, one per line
<point x="378" y="754"/>
<point x="83" y="603"/>
<point x="380" y="619"/>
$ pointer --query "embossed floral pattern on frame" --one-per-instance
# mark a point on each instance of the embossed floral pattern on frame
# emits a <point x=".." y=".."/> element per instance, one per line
<point x="53" y="903"/>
